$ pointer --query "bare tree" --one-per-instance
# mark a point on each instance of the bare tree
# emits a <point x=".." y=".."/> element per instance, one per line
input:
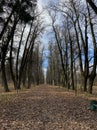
<point x="7" y="32"/>
<point x="92" y="74"/>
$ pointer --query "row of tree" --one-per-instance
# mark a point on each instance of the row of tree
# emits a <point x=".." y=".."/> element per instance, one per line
<point x="72" y="49"/>
<point x="20" y="29"/>
<point x="75" y="38"/>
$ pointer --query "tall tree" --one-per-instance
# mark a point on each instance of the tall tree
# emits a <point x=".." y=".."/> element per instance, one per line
<point x="20" y="12"/>
<point x="92" y="74"/>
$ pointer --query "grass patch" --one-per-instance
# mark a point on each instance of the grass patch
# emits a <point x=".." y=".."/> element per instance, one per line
<point x="6" y="97"/>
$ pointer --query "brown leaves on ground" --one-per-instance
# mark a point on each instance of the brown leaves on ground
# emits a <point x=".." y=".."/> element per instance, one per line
<point x="47" y="108"/>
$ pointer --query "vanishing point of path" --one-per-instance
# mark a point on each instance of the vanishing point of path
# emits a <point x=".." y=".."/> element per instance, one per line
<point x="46" y="108"/>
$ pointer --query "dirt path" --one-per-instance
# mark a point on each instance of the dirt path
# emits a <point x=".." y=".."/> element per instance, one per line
<point x="47" y="108"/>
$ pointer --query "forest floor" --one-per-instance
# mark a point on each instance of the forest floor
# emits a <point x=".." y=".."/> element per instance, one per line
<point x="46" y="108"/>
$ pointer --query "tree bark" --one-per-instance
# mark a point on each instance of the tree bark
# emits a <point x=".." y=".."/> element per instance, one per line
<point x="71" y="65"/>
<point x="6" y="89"/>
<point x="91" y="81"/>
<point x="91" y="3"/>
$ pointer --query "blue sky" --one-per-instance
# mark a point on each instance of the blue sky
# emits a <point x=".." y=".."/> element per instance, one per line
<point x="42" y="6"/>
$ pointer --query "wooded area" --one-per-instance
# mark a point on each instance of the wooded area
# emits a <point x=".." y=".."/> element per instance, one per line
<point x="75" y="45"/>
<point x="48" y="65"/>
<point x="72" y="58"/>
<point x="21" y="59"/>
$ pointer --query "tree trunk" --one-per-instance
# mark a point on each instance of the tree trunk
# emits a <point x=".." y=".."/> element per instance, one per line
<point x="11" y="65"/>
<point x="61" y="55"/>
<point x="6" y="89"/>
<point x="71" y="60"/>
<point x="18" y="52"/>
<point x="85" y="84"/>
<point x="91" y="81"/>
<point x="29" y="82"/>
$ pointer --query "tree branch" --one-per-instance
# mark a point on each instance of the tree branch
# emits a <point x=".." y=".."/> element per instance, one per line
<point x="94" y="7"/>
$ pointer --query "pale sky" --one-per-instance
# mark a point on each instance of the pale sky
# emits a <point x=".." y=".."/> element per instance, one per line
<point x="42" y="6"/>
<point x="46" y="2"/>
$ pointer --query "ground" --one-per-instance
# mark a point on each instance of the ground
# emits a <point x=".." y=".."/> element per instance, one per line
<point x="46" y="108"/>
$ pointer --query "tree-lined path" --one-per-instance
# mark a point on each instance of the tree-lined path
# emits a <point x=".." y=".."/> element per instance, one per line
<point x="46" y="108"/>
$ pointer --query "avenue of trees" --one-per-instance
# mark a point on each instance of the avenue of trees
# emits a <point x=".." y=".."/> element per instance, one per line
<point x="72" y="58"/>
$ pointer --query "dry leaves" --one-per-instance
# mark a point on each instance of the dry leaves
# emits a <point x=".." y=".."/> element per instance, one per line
<point x="47" y="108"/>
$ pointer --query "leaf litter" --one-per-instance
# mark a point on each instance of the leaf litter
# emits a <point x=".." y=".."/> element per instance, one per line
<point x="47" y="108"/>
